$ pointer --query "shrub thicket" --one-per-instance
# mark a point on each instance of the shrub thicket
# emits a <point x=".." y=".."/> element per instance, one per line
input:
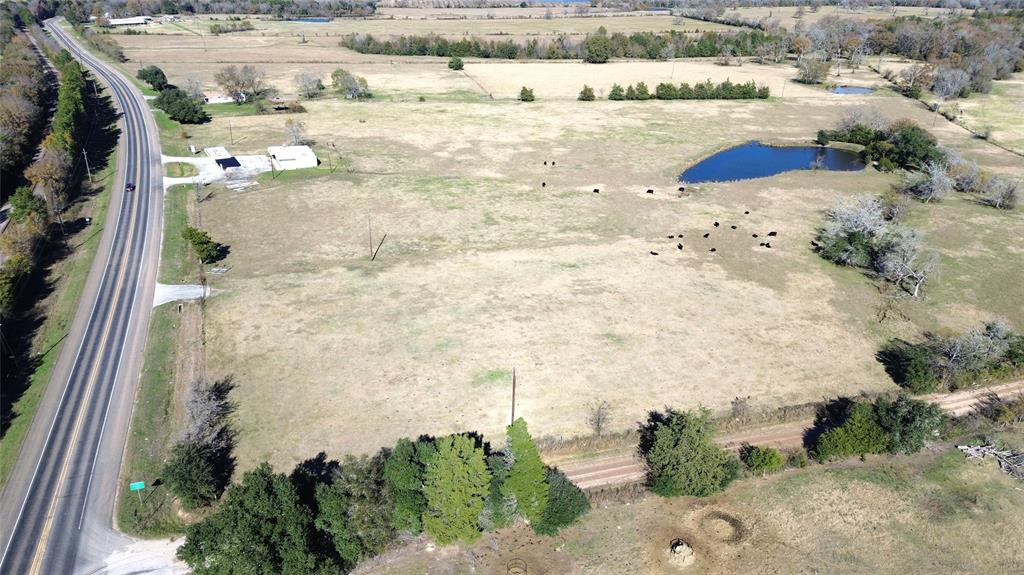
<point x="526" y="94"/>
<point x="455" y="63"/>
<point x="888" y="425"/>
<point x="762" y="460"/>
<point x="992" y="351"/>
<point x="586" y="94"/>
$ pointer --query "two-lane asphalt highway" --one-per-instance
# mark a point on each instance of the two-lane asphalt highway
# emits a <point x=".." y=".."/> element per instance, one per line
<point x="57" y="506"/>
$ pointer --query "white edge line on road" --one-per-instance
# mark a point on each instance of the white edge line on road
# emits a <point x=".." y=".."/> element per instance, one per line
<point x="120" y="360"/>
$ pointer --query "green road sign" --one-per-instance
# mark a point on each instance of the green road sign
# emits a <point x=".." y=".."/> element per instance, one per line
<point x="137" y="486"/>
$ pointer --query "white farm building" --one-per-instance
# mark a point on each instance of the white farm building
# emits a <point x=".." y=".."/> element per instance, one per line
<point x="292" y="157"/>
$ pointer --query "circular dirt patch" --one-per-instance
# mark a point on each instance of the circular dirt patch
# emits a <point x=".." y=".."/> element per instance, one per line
<point x="724" y="527"/>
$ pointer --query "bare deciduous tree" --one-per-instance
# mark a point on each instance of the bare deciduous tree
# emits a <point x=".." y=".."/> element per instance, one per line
<point x="194" y="89"/>
<point x="297" y="132"/>
<point x="599" y="417"/>
<point x="932" y="184"/>
<point x="242" y="83"/>
<point x="309" y="85"/>
<point x="903" y="261"/>
<point x="950" y="83"/>
<point x="1002" y="193"/>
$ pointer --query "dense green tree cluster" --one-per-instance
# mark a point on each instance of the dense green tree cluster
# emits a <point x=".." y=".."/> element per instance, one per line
<point x="888" y="425"/>
<point x="706" y="90"/>
<point x="328" y="516"/>
<point x="901" y="144"/>
<point x="153" y="76"/>
<point x="180" y="107"/>
<point x="22" y="106"/>
<point x="681" y="456"/>
<point x="950" y="362"/>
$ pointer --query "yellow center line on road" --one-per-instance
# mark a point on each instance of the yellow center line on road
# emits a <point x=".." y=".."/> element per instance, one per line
<point x="37" y="559"/>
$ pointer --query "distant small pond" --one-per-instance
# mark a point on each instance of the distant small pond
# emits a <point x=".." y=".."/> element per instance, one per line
<point x="852" y="90"/>
<point x="756" y="160"/>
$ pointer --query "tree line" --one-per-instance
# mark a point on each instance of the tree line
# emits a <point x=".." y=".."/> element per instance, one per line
<point x="596" y="48"/>
<point x="706" y="90"/>
<point x="326" y="516"/>
<point x="78" y="11"/>
<point x="53" y="175"/>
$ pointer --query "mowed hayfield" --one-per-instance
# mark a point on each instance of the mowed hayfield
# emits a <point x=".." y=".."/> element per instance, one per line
<point x="494" y="261"/>
<point x="448" y="27"/>
<point x="787" y="15"/>
<point x="408" y="77"/>
<point x="931" y="513"/>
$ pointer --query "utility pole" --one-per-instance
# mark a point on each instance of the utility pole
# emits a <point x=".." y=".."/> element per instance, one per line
<point x="87" y="169"/>
<point x="513" y="396"/>
<point x="231" y="132"/>
<point x="369" y="230"/>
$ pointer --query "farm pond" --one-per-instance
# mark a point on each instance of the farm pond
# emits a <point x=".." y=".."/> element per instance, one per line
<point x="853" y="90"/>
<point x="757" y="160"/>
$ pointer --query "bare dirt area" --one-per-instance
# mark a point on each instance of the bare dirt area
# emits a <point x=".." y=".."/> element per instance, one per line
<point x="495" y="261"/>
<point x="932" y="513"/>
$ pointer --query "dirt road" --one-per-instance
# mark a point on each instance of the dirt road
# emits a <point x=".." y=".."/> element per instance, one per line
<point x="626" y="468"/>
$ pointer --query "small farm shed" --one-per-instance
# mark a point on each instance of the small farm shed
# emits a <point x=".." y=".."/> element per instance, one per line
<point x="292" y="157"/>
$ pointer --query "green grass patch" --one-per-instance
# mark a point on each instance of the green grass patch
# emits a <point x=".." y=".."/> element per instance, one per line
<point x="55" y="327"/>
<point x="151" y="432"/>
<point x="172" y="140"/>
<point x="492" y="376"/>
<point x="175" y="264"/>
<point x="150" y="512"/>
<point x="297" y="175"/>
<point x="180" y="170"/>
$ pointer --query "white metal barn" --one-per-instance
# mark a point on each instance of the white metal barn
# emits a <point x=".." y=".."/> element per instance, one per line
<point x="292" y="157"/>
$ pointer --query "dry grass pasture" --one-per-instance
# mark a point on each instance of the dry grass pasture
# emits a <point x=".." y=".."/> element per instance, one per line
<point x="934" y="513"/>
<point x="1000" y="112"/>
<point x="494" y="260"/>
<point x="485" y="269"/>
<point x="786" y="15"/>
<point x="281" y="58"/>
